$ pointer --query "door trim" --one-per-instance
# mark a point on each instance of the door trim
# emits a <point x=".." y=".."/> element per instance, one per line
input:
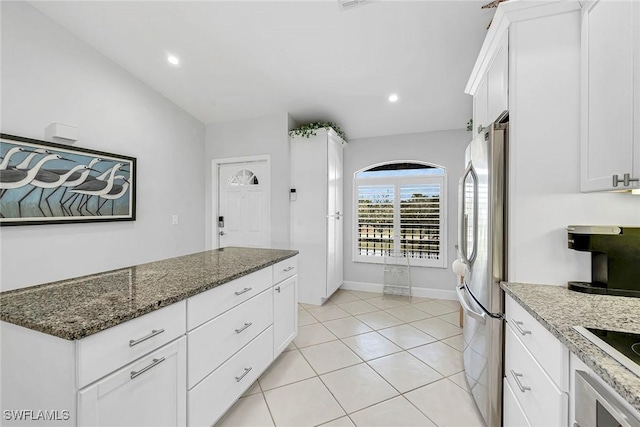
<point x="215" y="163"/>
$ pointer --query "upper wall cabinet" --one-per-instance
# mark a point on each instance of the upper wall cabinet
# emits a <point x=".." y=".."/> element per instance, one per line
<point x="610" y="151"/>
<point x="491" y="97"/>
<point x="480" y="113"/>
<point x="498" y="81"/>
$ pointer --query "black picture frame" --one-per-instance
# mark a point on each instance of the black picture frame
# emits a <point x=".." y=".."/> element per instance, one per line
<point x="47" y="183"/>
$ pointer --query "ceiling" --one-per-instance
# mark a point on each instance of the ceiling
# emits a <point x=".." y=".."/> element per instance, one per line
<point x="245" y="59"/>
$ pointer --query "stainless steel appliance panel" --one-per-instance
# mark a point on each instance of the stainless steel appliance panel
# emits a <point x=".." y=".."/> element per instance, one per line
<point x="482" y="249"/>
<point x="596" y="407"/>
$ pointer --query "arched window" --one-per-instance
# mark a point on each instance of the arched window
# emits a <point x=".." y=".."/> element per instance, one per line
<point x="244" y="177"/>
<point x="400" y="208"/>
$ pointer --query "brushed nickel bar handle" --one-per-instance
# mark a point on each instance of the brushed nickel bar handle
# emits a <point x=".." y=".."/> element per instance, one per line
<point x="517" y="324"/>
<point x="246" y="371"/>
<point x="288" y="269"/>
<point x="628" y="180"/>
<point x="155" y="362"/>
<point x="516" y="376"/>
<point x="243" y="291"/>
<point x="153" y="333"/>
<point x="246" y="325"/>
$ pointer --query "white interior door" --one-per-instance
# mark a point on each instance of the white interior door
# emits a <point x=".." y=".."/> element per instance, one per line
<point x="243" y="204"/>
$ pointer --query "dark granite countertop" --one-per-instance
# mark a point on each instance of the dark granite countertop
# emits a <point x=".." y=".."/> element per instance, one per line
<point x="558" y="309"/>
<point x="75" y="308"/>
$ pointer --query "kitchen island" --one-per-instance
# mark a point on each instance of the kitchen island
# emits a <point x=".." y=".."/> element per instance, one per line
<point x="171" y="342"/>
<point x="559" y="310"/>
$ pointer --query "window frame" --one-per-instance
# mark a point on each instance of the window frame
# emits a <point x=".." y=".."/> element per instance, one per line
<point x="396" y="182"/>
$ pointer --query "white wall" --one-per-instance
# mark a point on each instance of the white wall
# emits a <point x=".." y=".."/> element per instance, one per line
<point x="444" y="148"/>
<point x="49" y="75"/>
<point x="260" y="136"/>
<point x="545" y="192"/>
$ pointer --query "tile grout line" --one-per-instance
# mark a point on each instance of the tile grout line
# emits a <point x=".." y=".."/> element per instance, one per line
<point x="403" y="394"/>
<point x="273" y="420"/>
<point x="366" y="362"/>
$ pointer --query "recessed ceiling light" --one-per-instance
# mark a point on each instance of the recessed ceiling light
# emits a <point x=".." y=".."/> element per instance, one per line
<point x="393" y="97"/>
<point x="173" y="59"/>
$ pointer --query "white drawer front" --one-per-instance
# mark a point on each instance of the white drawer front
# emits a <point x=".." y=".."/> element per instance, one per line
<point x="216" y="301"/>
<point x="285" y="269"/>
<point x="545" y="348"/>
<point x="214" y="342"/>
<point x="106" y="351"/>
<point x="543" y="403"/>
<point x="513" y="414"/>
<point x="149" y="392"/>
<point x="209" y="400"/>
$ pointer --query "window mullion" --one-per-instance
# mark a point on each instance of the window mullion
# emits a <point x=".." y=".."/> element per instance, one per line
<point x="396" y="216"/>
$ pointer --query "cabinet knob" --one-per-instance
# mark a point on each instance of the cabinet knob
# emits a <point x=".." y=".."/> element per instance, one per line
<point x="278" y="289"/>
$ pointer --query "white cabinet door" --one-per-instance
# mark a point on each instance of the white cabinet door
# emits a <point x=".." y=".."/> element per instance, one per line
<point x="541" y="400"/>
<point x="498" y="81"/>
<point x="309" y="214"/>
<point x="335" y="218"/>
<point x="285" y="314"/>
<point x="513" y="414"/>
<point x="608" y="96"/>
<point x="150" y="392"/>
<point x="480" y="113"/>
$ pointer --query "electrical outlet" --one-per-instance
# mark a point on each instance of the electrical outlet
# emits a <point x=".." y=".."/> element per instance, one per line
<point x="174" y="220"/>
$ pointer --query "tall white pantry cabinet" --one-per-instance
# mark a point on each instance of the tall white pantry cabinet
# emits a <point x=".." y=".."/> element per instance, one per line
<point x="317" y="213"/>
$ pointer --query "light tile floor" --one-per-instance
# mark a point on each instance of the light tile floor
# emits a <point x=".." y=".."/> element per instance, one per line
<point x="361" y="360"/>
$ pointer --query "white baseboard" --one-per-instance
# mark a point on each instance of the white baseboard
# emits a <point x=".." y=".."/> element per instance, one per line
<point x="416" y="291"/>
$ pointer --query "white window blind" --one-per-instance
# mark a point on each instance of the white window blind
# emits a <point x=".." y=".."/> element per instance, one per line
<point x="401" y="213"/>
<point x="375" y="219"/>
<point x="420" y="220"/>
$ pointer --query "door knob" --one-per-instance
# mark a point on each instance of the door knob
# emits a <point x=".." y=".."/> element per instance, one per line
<point x="222" y="233"/>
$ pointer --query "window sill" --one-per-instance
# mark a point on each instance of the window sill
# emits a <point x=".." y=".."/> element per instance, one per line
<point x="441" y="264"/>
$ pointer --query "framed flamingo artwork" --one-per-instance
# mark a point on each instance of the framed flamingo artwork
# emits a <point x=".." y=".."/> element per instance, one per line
<point x="47" y="183"/>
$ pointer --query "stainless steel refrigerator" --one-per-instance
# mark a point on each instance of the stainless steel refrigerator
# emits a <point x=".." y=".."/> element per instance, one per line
<point x="482" y="248"/>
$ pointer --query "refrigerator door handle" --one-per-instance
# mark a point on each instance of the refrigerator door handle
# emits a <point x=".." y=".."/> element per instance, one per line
<point x="462" y="244"/>
<point x="461" y="291"/>
<point x="463" y="220"/>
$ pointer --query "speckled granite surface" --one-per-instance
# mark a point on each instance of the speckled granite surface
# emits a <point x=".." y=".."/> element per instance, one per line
<point x="75" y="308"/>
<point x="558" y="309"/>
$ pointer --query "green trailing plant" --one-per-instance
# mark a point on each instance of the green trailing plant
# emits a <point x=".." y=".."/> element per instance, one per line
<point x="470" y="125"/>
<point x="309" y="129"/>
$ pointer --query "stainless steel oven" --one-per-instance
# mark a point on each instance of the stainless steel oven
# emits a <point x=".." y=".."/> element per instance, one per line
<point x="596" y="407"/>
